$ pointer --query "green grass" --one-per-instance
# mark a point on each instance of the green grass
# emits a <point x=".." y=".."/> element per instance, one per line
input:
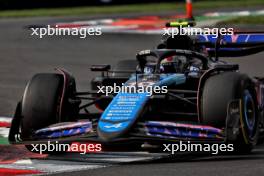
<point x="257" y="19"/>
<point x="157" y="7"/>
<point x="3" y="141"/>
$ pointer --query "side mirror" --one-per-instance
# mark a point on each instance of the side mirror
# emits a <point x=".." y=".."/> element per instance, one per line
<point x="100" y="68"/>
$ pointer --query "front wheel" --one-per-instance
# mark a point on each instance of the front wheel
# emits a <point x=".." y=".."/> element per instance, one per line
<point x="218" y="91"/>
<point x="45" y="103"/>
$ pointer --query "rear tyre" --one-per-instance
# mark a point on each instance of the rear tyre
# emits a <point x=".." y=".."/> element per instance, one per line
<point x="40" y="103"/>
<point x="218" y="92"/>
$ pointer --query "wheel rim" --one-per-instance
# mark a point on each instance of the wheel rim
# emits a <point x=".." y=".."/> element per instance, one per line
<point x="249" y="112"/>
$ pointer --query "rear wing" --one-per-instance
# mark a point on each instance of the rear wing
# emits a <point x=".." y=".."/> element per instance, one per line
<point x="239" y="44"/>
<point x="237" y="38"/>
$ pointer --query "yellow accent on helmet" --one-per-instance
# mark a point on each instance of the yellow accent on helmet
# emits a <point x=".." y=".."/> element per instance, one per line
<point x="181" y="23"/>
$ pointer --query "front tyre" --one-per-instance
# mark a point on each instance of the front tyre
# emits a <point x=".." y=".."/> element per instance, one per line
<point x="218" y="91"/>
<point x="249" y="122"/>
<point x="42" y="103"/>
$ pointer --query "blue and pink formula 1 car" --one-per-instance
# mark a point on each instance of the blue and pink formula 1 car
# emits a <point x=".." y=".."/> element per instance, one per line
<point x="206" y="100"/>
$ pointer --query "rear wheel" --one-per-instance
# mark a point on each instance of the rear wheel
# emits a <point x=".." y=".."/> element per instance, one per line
<point x="218" y="92"/>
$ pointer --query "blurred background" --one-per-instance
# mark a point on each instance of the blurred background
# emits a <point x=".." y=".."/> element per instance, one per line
<point x="27" y="4"/>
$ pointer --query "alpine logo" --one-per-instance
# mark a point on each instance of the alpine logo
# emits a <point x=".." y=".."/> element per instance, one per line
<point x="118" y="125"/>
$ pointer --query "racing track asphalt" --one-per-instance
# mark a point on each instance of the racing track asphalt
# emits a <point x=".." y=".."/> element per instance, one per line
<point x="21" y="56"/>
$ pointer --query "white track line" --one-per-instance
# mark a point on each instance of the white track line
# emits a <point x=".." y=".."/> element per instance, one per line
<point x="4" y="132"/>
<point x="236" y="13"/>
<point x="51" y="166"/>
<point x="5" y="119"/>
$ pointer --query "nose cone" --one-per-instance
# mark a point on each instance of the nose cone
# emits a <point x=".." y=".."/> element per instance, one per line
<point x="121" y="114"/>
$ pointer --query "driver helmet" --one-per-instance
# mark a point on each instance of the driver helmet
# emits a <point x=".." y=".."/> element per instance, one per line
<point x="173" y="64"/>
<point x="148" y="68"/>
